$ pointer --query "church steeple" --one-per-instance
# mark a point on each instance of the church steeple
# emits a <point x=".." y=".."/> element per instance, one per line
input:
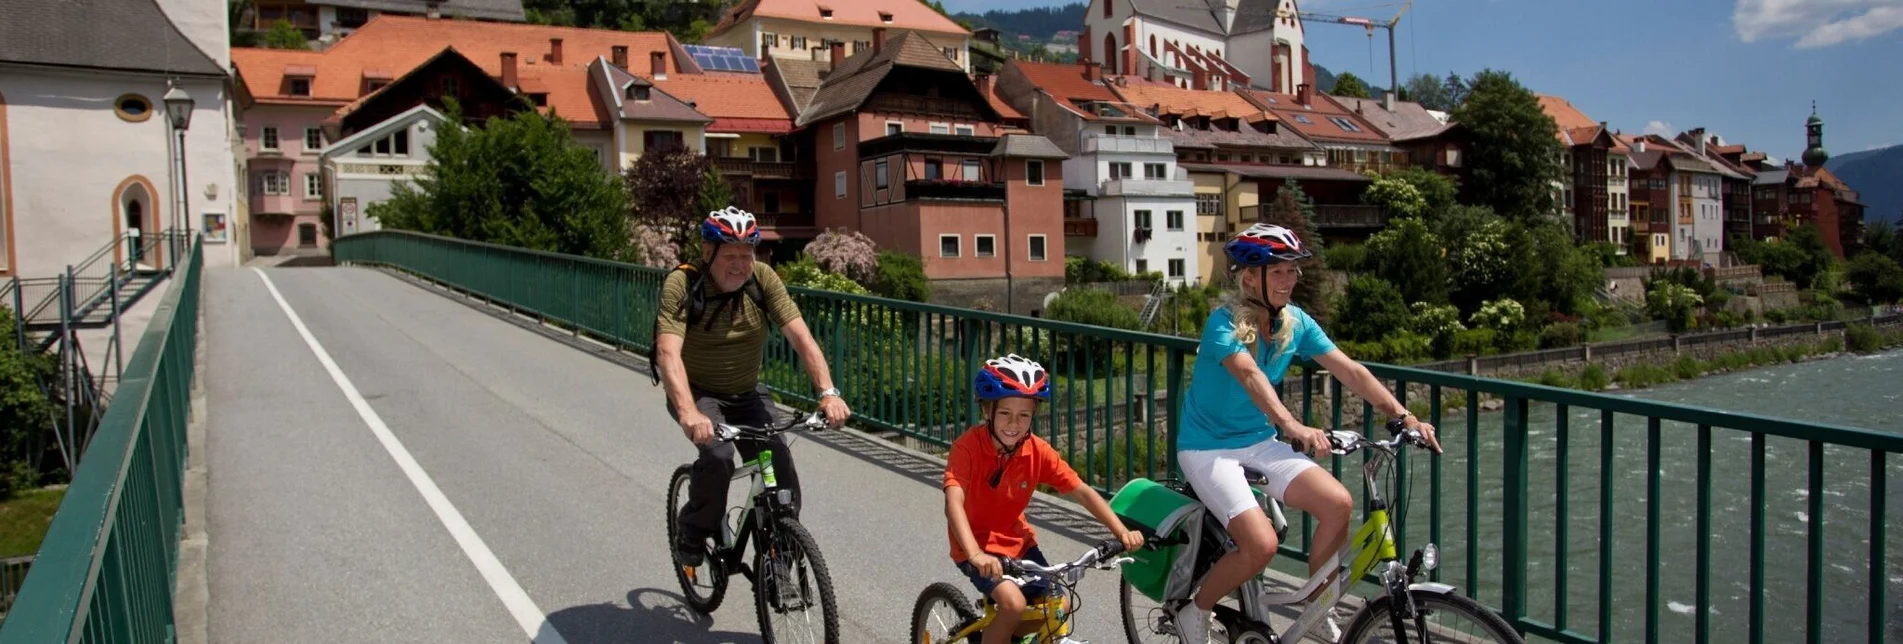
<point x="1814" y="153"/>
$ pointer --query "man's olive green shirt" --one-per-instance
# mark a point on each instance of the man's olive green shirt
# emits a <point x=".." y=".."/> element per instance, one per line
<point x="726" y="357"/>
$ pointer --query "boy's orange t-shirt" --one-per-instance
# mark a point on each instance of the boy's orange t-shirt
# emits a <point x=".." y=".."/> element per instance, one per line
<point x="997" y="515"/>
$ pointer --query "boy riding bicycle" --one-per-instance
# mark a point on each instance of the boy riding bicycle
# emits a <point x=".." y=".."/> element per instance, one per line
<point x="989" y="478"/>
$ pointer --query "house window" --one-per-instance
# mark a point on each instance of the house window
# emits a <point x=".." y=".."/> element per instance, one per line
<point x="765" y="154"/>
<point x="952" y="53"/>
<point x="450" y="86"/>
<point x="941" y="128"/>
<point x="661" y="139"/>
<point x="971" y="170"/>
<point x="1110" y="130"/>
<point x="268" y="138"/>
<point x="1176" y="269"/>
<point x="965" y="130"/>
<point x="638" y="93"/>
<point x="273" y="183"/>
<point x="987" y="245"/>
<point x="307" y="235"/>
<point x="300" y="87"/>
<point x="947" y="245"/>
<point x="1173" y="219"/>
<point x="1143" y="219"/>
<point x="1119" y="170"/>
<point x="769" y="41"/>
<point x="879" y="172"/>
<point x="1143" y="266"/>
<point x="798" y="42"/>
<point x="313" y="186"/>
<point x="934" y="169"/>
<point x="1034" y="172"/>
<point x="839" y="185"/>
<point x="1209" y="204"/>
<point x="1037" y="248"/>
<point x="839" y="136"/>
<point x="313" y="140"/>
<point x="1155" y="171"/>
<point x="894" y="127"/>
<point x="720" y="148"/>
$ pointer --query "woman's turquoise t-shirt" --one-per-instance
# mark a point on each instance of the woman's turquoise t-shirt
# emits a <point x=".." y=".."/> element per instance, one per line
<point x="1217" y="411"/>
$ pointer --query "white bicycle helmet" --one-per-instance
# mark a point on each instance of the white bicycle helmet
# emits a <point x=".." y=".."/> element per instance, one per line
<point x="730" y="225"/>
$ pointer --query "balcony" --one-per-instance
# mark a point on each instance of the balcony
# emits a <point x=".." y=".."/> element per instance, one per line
<point x="778" y="220"/>
<point x="1130" y="144"/>
<point x="922" y="105"/>
<point x="762" y="169"/>
<point x="952" y="189"/>
<point x="1146" y="188"/>
<point x="1080" y="227"/>
<point x="285" y="204"/>
<point x="927" y="143"/>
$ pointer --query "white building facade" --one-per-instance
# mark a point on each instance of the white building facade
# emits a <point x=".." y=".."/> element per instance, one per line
<point x="1618" y="200"/>
<point x="1192" y="41"/>
<point x="1145" y="207"/>
<point x="89" y="158"/>
<point x="1699" y="232"/>
<point x="364" y="168"/>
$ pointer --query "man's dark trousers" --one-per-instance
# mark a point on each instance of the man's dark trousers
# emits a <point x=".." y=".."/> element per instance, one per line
<point x="713" y="470"/>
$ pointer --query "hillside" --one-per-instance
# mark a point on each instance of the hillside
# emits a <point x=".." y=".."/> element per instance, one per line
<point x="1873" y="174"/>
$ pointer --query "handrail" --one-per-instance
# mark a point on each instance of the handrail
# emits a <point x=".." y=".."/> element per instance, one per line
<point x="105" y="568"/>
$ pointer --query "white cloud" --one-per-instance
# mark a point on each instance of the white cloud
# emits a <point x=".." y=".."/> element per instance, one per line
<point x="1816" y="23"/>
<point x="1660" y="128"/>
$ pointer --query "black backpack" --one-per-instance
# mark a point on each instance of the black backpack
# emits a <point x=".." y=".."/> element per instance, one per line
<point x="696" y="306"/>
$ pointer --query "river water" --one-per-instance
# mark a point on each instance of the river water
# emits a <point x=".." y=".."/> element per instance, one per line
<point x="1854" y="391"/>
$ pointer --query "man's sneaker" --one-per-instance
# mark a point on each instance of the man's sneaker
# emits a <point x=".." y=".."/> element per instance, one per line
<point x="1192" y="624"/>
<point x="1327" y="628"/>
<point x="690" y="552"/>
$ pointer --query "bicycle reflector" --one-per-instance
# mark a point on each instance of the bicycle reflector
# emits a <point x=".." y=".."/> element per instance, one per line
<point x="1430" y="557"/>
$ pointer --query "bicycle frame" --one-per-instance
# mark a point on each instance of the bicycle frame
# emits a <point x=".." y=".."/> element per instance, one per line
<point x="1048" y="610"/>
<point x="763" y="506"/>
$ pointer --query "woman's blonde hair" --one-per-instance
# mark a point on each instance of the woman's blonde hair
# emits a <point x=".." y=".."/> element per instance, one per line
<point x="1249" y="318"/>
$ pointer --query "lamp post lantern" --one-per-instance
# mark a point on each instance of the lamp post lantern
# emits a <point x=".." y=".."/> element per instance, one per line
<point x="178" y="109"/>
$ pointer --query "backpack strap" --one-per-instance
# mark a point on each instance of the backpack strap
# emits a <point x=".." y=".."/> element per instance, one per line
<point x="691" y="300"/>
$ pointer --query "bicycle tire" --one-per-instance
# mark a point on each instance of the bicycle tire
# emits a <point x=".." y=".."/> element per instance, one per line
<point x="1222" y="621"/>
<point x="716" y="565"/>
<point x="941" y="591"/>
<point x="790" y="530"/>
<point x="1375" y="615"/>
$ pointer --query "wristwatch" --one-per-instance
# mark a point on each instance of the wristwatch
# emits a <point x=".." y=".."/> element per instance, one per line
<point x="831" y="391"/>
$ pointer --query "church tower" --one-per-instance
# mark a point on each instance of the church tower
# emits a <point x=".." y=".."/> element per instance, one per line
<point x="1814" y="153"/>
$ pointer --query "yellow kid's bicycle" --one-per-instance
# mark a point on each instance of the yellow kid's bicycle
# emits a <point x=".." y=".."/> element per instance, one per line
<point x="942" y="615"/>
<point x="1170" y="567"/>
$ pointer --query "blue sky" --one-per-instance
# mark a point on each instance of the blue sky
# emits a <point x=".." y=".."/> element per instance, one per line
<point x="1744" y="69"/>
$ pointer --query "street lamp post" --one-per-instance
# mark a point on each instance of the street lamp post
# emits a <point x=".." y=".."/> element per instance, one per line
<point x="178" y="108"/>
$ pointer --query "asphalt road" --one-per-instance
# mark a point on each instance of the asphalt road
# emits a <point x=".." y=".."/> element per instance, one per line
<point x="551" y="462"/>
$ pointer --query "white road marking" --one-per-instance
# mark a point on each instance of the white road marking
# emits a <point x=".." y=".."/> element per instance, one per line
<point x="533" y="621"/>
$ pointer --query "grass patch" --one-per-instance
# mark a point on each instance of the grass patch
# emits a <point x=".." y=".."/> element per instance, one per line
<point x="1594" y="378"/>
<point x="24" y="518"/>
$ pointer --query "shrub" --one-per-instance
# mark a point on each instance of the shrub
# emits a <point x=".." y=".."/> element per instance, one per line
<point x="1346" y="257"/>
<point x="1687" y="367"/>
<point x="1371" y="309"/>
<point x="1563" y="334"/>
<point x="1593" y="378"/>
<point x="1479" y="342"/>
<point x="24" y="410"/>
<point x="1406" y="347"/>
<point x="805" y="272"/>
<point x="1093" y="306"/>
<point x="848" y="252"/>
<point x="1364" y="351"/>
<point x="1503" y="315"/>
<point x="1555" y="378"/>
<point x="902" y="277"/>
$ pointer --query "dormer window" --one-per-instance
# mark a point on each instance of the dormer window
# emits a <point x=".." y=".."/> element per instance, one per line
<point x="637" y="93"/>
<point x="300" y="87"/>
<point x="826" y="13"/>
<point x="297" y="79"/>
<point x="885" y="17"/>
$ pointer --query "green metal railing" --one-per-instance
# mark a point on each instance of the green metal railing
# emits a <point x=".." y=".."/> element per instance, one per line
<point x="1665" y="524"/>
<point x="105" y="571"/>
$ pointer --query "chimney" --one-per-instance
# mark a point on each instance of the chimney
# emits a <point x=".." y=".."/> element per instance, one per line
<point x="838" y="53"/>
<point x="555" y="50"/>
<point x="621" y="56"/>
<point x="1129" y="64"/>
<point x="434" y="10"/>
<point x="1083" y="45"/>
<point x="878" y="39"/>
<point x="1092" y="72"/>
<point x="657" y="65"/>
<point x="1305" y="94"/>
<point x="508" y="70"/>
<point x="1639" y="145"/>
<point x="1387" y="101"/>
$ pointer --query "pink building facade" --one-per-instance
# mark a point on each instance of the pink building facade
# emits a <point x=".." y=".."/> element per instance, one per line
<point x="282" y="144"/>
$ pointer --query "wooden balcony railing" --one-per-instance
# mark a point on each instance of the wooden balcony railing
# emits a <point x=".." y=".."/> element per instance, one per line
<point x="762" y="169"/>
<point x="1080" y="227"/>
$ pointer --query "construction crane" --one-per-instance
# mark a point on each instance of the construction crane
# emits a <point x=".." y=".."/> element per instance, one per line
<point x="1370" y="24"/>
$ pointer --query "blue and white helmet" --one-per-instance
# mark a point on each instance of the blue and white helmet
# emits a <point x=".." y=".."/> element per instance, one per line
<point x="730" y="225"/>
<point x="1264" y="244"/>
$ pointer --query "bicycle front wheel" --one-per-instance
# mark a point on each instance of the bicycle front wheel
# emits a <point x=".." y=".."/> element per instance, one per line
<point x="1443" y="617"/>
<point x="791" y="584"/>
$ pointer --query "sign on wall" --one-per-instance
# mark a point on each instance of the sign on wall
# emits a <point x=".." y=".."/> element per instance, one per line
<point x="347" y="210"/>
<point x="216" y="232"/>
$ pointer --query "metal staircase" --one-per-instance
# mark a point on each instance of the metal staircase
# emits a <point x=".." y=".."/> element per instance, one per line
<point x="1153" y="303"/>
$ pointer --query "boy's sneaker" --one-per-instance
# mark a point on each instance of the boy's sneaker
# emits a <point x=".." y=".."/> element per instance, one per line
<point x="690" y="552"/>
<point x="1192" y="623"/>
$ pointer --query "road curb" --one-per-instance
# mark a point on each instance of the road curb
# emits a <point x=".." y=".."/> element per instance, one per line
<point x="191" y="599"/>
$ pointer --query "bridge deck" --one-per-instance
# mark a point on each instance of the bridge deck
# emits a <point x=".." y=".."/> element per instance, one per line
<point x="556" y="459"/>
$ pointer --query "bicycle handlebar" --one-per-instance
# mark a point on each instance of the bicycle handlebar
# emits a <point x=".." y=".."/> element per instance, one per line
<point x="726" y="432"/>
<point x="1346" y="442"/>
<point x="1068" y="573"/>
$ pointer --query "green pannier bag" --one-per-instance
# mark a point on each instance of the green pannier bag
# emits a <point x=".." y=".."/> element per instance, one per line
<point x="1166" y="571"/>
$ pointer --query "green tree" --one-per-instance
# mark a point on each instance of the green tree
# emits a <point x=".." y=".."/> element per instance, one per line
<point x="1430" y="92"/>
<point x="1440" y="191"/>
<point x="1479" y="261"/>
<point x="1550" y="272"/>
<point x="1876" y="277"/>
<point x="1882" y="237"/>
<point x="1513" y="155"/>
<point x="284" y="35"/>
<point x="1399" y="198"/>
<point x="1349" y="85"/>
<point x="25" y="413"/>
<point x="518" y="181"/>
<point x="1371" y="310"/>
<point x="1292" y="209"/>
<point x="1408" y="256"/>
<point x="1456" y="89"/>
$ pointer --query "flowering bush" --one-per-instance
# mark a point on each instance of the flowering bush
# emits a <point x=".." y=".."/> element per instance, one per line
<point x="656" y="247"/>
<point x="1502" y="315"/>
<point x="846" y="252"/>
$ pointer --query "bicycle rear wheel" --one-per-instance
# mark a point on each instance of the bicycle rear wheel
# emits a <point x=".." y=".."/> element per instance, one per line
<point x="703" y="586"/>
<point x="930" y="625"/>
<point x="789" y="581"/>
<point x="1444" y="617"/>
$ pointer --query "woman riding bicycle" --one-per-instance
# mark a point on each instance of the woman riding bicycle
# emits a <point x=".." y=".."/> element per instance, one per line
<point x="989" y="478"/>
<point x="1232" y="418"/>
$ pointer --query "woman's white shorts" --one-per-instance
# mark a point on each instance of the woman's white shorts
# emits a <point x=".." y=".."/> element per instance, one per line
<point x="1217" y="476"/>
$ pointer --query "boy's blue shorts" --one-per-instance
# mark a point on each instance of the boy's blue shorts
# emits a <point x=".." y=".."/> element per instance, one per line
<point x="1038" y="588"/>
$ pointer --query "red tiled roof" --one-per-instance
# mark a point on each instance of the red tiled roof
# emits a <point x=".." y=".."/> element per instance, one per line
<point x="904" y="14"/>
<point x="1170" y="99"/>
<point x="726" y="95"/>
<point x="391" y="42"/>
<point x="1564" y="114"/>
<point x="768" y="126"/>
<point x="1066" y="82"/>
<point x="1318" y="126"/>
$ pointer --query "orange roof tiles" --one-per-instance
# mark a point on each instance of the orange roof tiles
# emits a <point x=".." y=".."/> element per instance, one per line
<point x="726" y="95"/>
<point x="903" y="14"/>
<point x="1065" y="82"/>
<point x="1564" y="114"/>
<point x="1318" y="127"/>
<point x="1170" y="99"/>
